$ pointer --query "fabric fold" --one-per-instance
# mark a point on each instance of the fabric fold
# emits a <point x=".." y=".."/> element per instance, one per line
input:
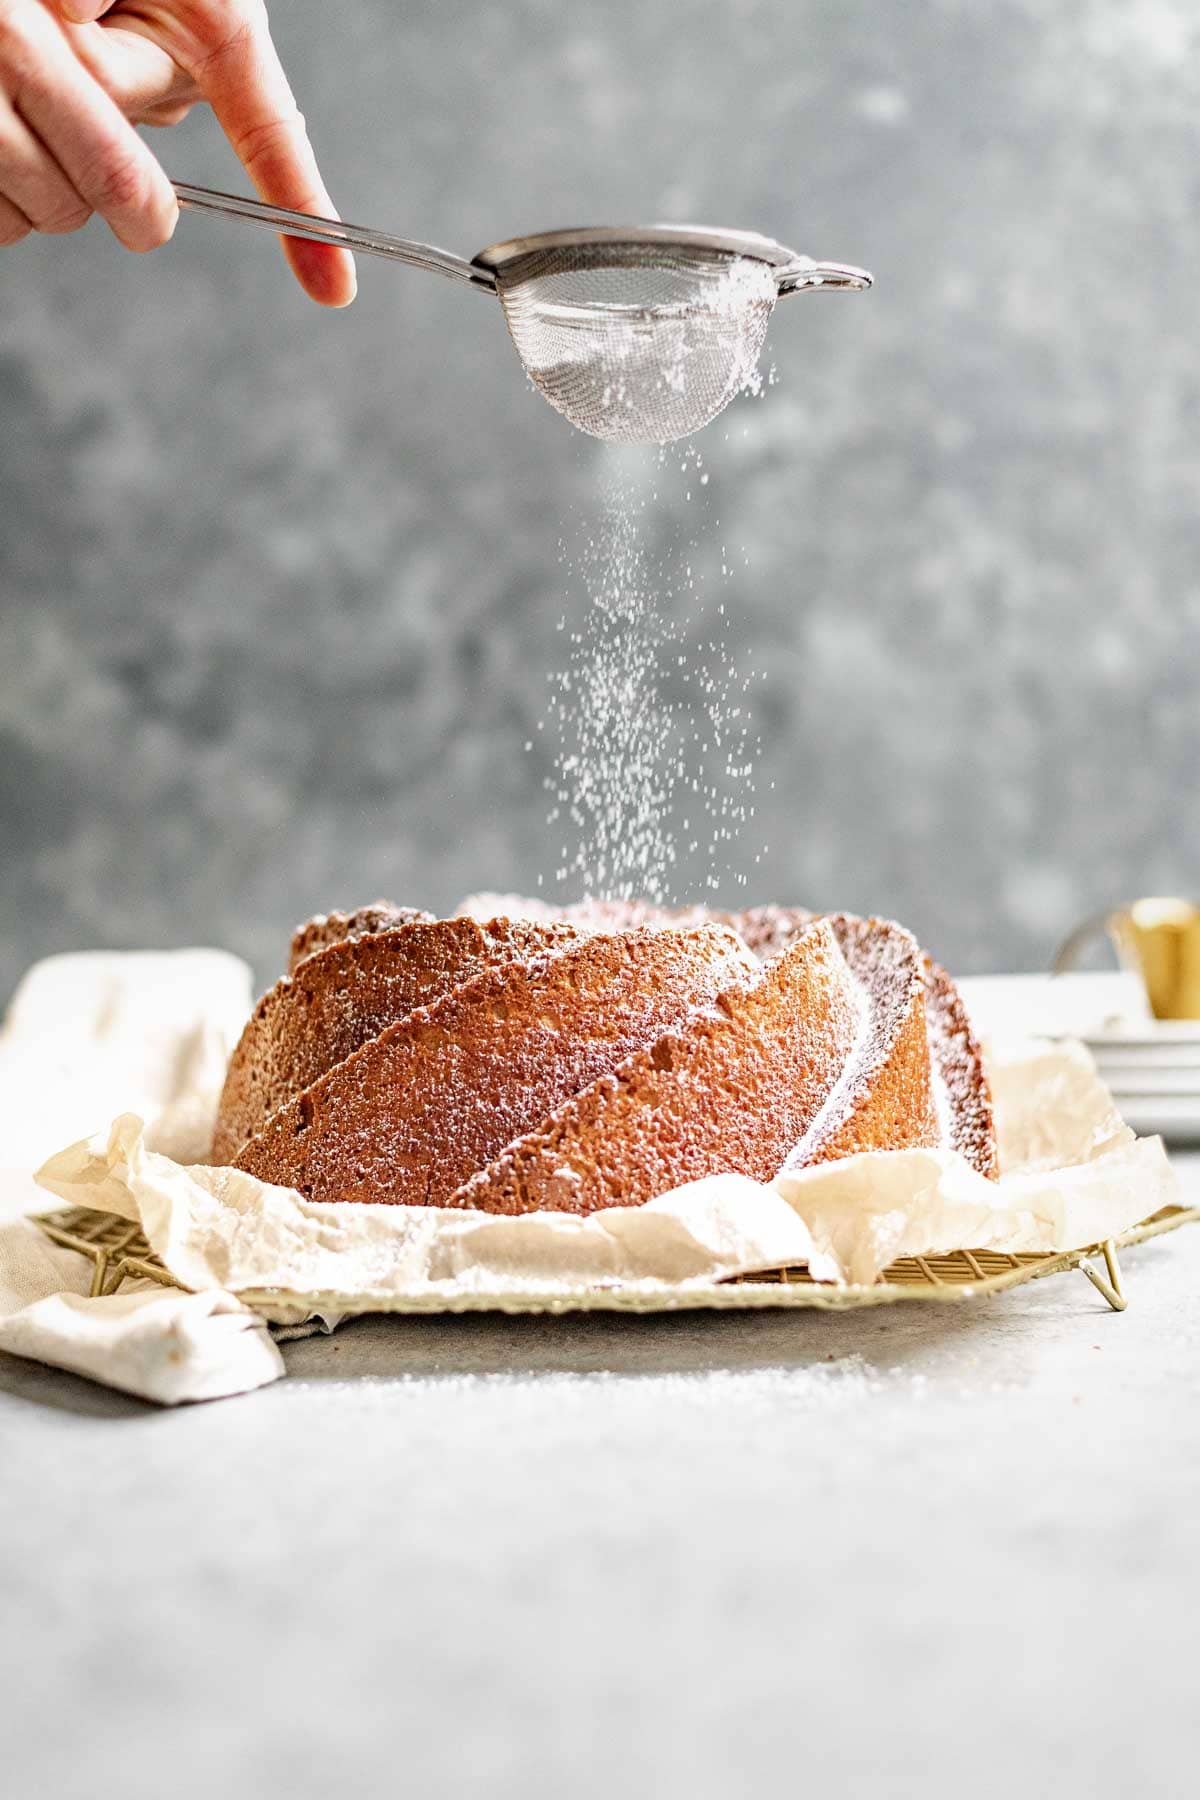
<point x="158" y="1343"/>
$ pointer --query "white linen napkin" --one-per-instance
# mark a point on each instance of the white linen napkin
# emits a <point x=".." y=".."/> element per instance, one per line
<point x="86" y="1035"/>
<point x="92" y="1034"/>
<point x="159" y="1343"/>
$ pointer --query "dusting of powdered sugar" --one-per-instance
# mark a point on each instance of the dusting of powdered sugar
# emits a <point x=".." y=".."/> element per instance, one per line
<point x="884" y="963"/>
<point x="649" y="728"/>
<point x="640" y="349"/>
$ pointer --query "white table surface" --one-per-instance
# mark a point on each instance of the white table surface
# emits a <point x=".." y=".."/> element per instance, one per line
<point x="916" y="1550"/>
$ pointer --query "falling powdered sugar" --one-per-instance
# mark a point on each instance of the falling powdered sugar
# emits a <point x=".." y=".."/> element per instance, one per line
<point x="650" y="730"/>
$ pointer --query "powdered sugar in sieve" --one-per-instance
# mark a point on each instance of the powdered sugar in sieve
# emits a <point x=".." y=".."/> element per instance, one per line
<point x="638" y="350"/>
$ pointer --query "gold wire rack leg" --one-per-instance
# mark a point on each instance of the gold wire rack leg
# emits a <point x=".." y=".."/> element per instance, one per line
<point x="1111" y="1288"/>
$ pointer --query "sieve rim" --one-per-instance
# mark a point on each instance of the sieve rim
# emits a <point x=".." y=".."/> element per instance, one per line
<point x="497" y="257"/>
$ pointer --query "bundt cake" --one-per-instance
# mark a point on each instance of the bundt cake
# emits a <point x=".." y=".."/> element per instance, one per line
<point x="519" y="1057"/>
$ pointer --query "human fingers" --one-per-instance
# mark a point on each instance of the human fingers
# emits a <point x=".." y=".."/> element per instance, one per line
<point x="84" y="131"/>
<point x="83" y="12"/>
<point x="32" y="181"/>
<point x="244" y="82"/>
<point x="133" y="68"/>
<point x="171" y="112"/>
<point x="13" y="224"/>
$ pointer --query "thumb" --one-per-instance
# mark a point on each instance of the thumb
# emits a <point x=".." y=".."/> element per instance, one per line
<point x="132" y="68"/>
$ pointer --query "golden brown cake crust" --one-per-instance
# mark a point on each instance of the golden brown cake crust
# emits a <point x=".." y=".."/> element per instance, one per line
<point x="319" y="933"/>
<point x="969" y="1123"/>
<point x="770" y="930"/>
<point x="591" y="1056"/>
<point x="339" y="998"/>
<point x="884" y="1097"/>
<point x="414" y="1112"/>
<point x="959" y="1089"/>
<point x="958" y="1085"/>
<point x="733" y="1090"/>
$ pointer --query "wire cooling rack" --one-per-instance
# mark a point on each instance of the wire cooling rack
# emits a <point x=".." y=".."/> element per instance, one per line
<point x="119" y="1251"/>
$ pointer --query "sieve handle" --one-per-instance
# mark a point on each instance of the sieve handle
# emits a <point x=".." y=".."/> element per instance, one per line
<point x="316" y="230"/>
<point x="804" y="273"/>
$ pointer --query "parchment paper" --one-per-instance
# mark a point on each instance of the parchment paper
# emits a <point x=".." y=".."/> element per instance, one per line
<point x="1073" y="1174"/>
<point x="145" y="1037"/>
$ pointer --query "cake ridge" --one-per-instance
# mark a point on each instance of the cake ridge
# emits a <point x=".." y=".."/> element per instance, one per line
<point x="881" y="1074"/>
<point x="338" y="997"/>
<point x="326" y="929"/>
<point x="579" y="1160"/>
<point x="480" y="1061"/>
<point x="484" y="1061"/>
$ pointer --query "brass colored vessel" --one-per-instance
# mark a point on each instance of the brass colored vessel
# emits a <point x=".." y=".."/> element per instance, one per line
<point x="1160" y="939"/>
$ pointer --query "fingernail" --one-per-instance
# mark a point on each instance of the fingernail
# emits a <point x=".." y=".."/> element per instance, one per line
<point x="353" y="294"/>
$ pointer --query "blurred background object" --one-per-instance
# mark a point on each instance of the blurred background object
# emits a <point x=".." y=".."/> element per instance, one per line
<point x="1150" y="1063"/>
<point x="1157" y="938"/>
<point x="280" y="590"/>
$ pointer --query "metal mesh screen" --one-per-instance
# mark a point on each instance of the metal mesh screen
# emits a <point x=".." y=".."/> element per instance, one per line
<point x="638" y="343"/>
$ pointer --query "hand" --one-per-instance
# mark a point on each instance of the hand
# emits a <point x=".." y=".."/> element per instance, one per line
<point x="76" y="76"/>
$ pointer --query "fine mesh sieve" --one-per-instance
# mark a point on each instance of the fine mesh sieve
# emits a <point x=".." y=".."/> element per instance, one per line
<point x="633" y="347"/>
<point x="638" y="334"/>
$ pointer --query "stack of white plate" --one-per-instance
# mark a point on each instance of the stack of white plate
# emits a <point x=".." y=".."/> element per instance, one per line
<point x="1151" y="1066"/>
<point x="1153" y="1073"/>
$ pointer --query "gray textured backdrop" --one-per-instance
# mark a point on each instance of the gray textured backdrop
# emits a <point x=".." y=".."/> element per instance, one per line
<point x="279" y="589"/>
